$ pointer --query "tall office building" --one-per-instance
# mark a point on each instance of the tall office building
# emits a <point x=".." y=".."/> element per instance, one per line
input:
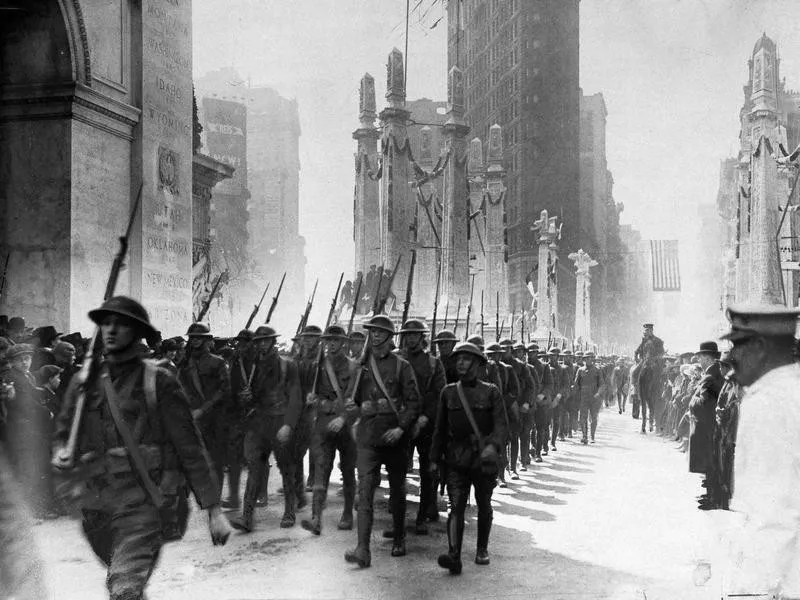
<point x="520" y="60"/>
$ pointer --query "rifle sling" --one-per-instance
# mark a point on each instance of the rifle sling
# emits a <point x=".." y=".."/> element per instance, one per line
<point x="470" y="416"/>
<point x="376" y="376"/>
<point x="329" y="371"/>
<point x="114" y="401"/>
<point x="196" y="382"/>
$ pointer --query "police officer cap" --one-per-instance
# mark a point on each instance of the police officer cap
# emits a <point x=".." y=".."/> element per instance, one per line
<point x="245" y="335"/>
<point x="381" y="322"/>
<point x="506" y="342"/>
<point x="358" y="335"/>
<point x="554" y="351"/>
<point x="199" y="330"/>
<point x="445" y="335"/>
<point x="533" y="347"/>
<point x="761" y="320"/>
<point x="311" y="331"/>
<point x="493" y="348"/>
<point x="414" y="326"/>
<point x="468" y="348"/>
<point x="124" y="307"/>
<point x="647" y="326"/>
<point x="334" y="332"/>
<point x="477" y="341"/>
<point x="264" y="332"/>
<point x="19" y="350"/>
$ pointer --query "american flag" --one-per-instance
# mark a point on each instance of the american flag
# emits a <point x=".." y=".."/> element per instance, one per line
<point x="666" y="265"/>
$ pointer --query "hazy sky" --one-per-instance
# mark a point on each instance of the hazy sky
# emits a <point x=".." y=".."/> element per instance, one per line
<point x="671" y="72"/>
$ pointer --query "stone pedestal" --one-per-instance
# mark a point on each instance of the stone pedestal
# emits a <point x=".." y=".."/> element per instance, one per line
<point x="583" y="281"/>
<point x="367" y="223"/>
<point x="546" y="289"/>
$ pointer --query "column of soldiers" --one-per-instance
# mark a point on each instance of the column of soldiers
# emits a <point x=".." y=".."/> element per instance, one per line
<point x="157" y="424"/>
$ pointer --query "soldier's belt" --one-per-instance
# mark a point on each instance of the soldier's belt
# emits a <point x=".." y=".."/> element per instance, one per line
<point x="378" y="407"/>
<point x="116" y="459"/>
<point x="327" y="407"/>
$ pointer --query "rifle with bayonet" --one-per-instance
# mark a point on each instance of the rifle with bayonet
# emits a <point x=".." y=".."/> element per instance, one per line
<point x="385" y="295"/>
<point x="5" y="272"/>
<point x="256" y="308"/>
<point x="511" y="332"/>
<point x="207" y="304"/>
<point x="64" y="457"/>
<point x="482" y="323"/>
<point x="497" y="318"/>
<point x="469" y="307"/>
<point x="355" y="305"/>
<point x="275" y="300"/>
<point x="522" y="327"/>
<point x="304" y="316"/>
<point x="434" y="347"/>
<point x="447" y="304"/>
<point x="409" y="285"/>
<point x="458" y="316"/>
<point x="376" y="297"/>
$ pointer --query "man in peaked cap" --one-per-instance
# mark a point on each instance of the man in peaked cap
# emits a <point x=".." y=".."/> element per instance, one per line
<point x="206" y="379"/>
<point x="272" y="414"/>
<point x="431" y="379"/>
<point x="470" y="447"/>
<point x="386" y="399"/>
<point x="766" y="487"/>
<point x="331" y="430"/>
<point x="122" y="521"/>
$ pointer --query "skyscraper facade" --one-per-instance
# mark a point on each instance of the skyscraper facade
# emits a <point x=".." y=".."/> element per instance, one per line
<point x="520" y="60"/>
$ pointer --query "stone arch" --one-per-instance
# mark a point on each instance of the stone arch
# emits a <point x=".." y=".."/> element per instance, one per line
<point x="78" y="40"/>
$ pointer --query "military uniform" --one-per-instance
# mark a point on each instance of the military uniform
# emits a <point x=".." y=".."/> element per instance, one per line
<point x="242" y="371"/>
<point x="335" y="378"/>
<point x="377" y="416"/>
<point x="431" y="379"/>
<point x="558" y="405"/>
<point x="276" y="401"/>
<point x="541" y="409"/>
<point x="570" y="403"/>
<point x="502" y="376"/>
<point x="588" y="386"/>
<point x="521" y="393"/>
<point x="455" y="444"/>
<point x="120" y="520"/>
<point x="206" y="380"/>
<point x="301" y="436"/>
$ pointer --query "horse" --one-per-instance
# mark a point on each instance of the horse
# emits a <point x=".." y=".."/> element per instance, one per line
<point x="650" y="387"/>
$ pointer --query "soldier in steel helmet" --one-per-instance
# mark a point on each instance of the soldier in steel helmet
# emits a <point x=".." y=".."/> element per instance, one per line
<point x="468" y="438"/>
<point x="306" y="360"/>
<point x="387" y="401"/>
<point x="242" y="371"/>
<point x="127" y="514"/>
<point x="206" y="379"/>
<point x="272" y="415"/>
<point x="589" y="386"/>
<point x="431" y="379"/>
<point x="502" y="376"/>
<point x="331" y="429"/>
<point x="356" y="344"/>
<point x="527" y="388"/>
<point x="445" y="341"/>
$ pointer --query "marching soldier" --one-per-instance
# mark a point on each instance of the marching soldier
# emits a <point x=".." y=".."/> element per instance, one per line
<point x="206" y="379"/>
<point x="445" y="341"/>
<point x="137" y="440"/>
<point x="502" y="376"/>
<point x="242" y="370"/>
<point x="541" y="421"/>
<point x="301" y="438"/>
<point x="588" y="386"/>
<point x="526" y="408"/>
<point x="569" y="414"/>
<point x="331" y="430"/>
<point x="468" y="438"/>
<point x="526" y="388"/>
<point x="431" y="379"/>
<point x="356" y="344"/>
<point x="273" y="410"/>
<point x="558" y="402"/>
<point x="386" y="397"/>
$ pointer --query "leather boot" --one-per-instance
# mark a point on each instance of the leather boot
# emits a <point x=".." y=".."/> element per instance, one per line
<point x="234" y="479"/>
<point x="346" y="522"/>
<point x="244" y="522"/>
<point x="288" y="518"/>
<point x="484" y="528"/>
<point x="361" y="554"/>
<point x="452" y="560"/>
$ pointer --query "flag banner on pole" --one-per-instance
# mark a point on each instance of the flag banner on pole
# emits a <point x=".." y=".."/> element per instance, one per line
<point x="666" y="265"/>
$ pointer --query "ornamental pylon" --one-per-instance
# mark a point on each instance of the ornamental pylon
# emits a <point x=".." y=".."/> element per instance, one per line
<point x="583" y="282"/>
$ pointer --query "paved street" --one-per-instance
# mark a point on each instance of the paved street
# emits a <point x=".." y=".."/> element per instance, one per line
<point x="612" y="520"/>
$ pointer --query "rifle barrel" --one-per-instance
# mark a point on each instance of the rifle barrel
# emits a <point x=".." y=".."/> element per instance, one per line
<point x="275" y="299"/>
<point x="356" y="298"/>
